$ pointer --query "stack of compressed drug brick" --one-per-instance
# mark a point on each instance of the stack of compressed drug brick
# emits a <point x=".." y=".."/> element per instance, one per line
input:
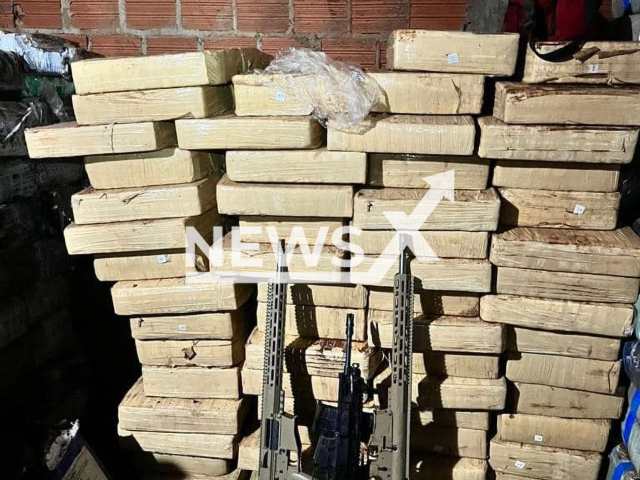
<point x="425" y="128"/>
<point x="184" y="416"/>
<point x="567" y="273"/>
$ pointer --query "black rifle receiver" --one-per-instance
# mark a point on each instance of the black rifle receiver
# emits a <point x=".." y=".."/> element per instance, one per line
<point x="340" y="429"/>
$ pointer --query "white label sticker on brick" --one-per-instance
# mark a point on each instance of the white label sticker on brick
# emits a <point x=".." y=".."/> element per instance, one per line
<point x="182" y="327"/>
<point x="281" y="96"/>
<point x="579" y="209"/>
<point x="538" y="438"/>
<point x="594" y="68"/>
<point x="519" y="464"/>
<point x="453" y="58"/>
<point x="161" y="259"/>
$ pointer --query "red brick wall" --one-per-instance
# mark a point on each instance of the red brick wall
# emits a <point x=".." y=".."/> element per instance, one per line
<point x="351" y="30"/>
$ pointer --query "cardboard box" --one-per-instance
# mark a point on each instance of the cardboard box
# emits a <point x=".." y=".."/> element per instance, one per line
<point x="138" y="236"/>
<point x="417" y="134"/>
<point x="409" y="171"/>
<point x="447" y="274"/>
<point x="567" y="286"/>
<point x="197" y="444"/>
<point x="153" y="105"/>
<point x="470" y="211"/>
<point x="211" y="67"/>
<point x="561" y="104"/>
<point x="174" y="295"/>
<point x="234" y="475"/>
<point x="138" y="412"/>
<point x="565" y="372"/>
<point x="571" y="433"/>
<point x="163" y="167"/>
<point x="445" y="244"/>
<point x="557" y="143"/>
<point x="284" y="228"/>
<point x="544" y="463"/>
<point x="614" y="252"/>
<point x="459" y="52"/>
<point x="524" y="340"/>
<point x="315" y="357"/>
<point x="264" y="254"/>
<point x="72" y="140"/>
<point x="147" y="266"/>
<point x="338" y="296"/>
<point x="192" y="383"/>
<point x="284" y="200"/>
<point x="429" y="302"/>
<point x="554" y="176"/>
<point x="244" y="133"/>
<point x="434" y="467"/>
<point x="318" y="322"/>
<point x="441" y="334"/>
<point x="263" y="95"/>
<point x="161" y="463"/>
<point x="249" y="452"/>
<point x="459" y="393"/>
<point x="186" y="353"/>
<point x="145" y="203"/>
<point x="596" y="62"/>
<point x="297" y="166"/>
<point x="456" y="365"/>
<point x="455" y="442"/>
<point x="429" y="93"/>
<point x="566" y="403"/>
<point x="202" y="326"/>
<point x="294" y="385"/>
<point x="451" y="418"/>
<point x="613" y="320"/>
<point x="573" y="210"/>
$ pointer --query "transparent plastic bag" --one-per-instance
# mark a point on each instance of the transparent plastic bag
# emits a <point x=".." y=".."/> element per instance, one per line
<point x="631" y="360"/>
<point x="341" y="95"/>
<point x="620" y="466"/>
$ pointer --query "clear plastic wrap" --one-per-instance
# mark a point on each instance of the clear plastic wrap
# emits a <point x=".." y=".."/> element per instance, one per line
<point x="620" y="466"/>
<point x="631" y="415"/>
<point x="44" y="54"/>
<point x="342" y="95"/>
<point x="631" y="360"/>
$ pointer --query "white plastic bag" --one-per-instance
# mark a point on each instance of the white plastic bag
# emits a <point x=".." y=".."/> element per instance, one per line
<point x="341" y="95"/>
<point x="620" y="466"/>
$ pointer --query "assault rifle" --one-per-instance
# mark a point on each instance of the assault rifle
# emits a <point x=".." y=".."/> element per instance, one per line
<point x="279" y="437"/>
<point x="340" y="429"/>
<point x="389" y="445"/>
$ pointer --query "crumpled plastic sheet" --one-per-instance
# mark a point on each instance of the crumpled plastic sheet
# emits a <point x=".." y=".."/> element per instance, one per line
<point x="341" y="95"/>
<point x="15" y="117"/>
<point x="620" y="466"/>
<point x="12" y="68"/>
<point x="44" y="54"/>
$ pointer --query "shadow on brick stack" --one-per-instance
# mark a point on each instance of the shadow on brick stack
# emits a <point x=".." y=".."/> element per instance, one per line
<point x="425" y="127"/>
<point x="280" y="176"/>
<point x="182" y="418"/>
<point x="567" y="272"/>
